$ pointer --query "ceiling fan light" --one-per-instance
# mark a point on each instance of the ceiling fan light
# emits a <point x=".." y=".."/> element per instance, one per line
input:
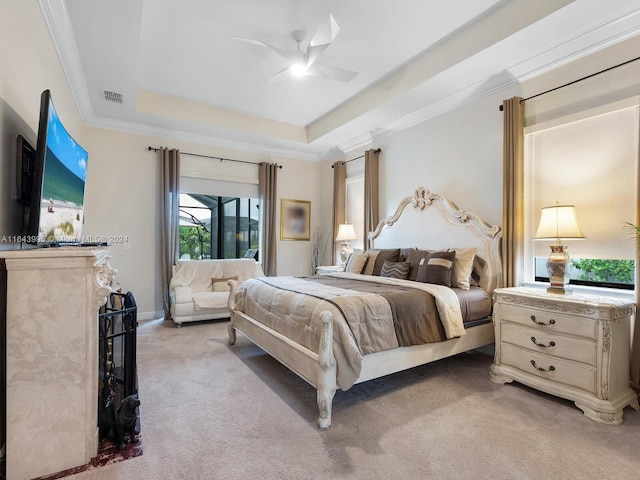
<point x="298" y="69"/>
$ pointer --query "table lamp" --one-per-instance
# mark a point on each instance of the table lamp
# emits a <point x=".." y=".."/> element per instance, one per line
<point x="557" y="223"/>
<point x="346" y="233"/>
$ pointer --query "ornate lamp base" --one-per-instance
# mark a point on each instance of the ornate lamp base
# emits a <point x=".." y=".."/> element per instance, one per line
<point x="558" y="269"/>
<point x="345" y="252"/>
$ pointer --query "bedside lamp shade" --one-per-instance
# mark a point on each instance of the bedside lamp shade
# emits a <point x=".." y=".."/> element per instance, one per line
<point x="557" y="223"/>
<point x="346" y="233"/>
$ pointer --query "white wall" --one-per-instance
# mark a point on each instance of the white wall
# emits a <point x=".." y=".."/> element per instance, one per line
<point x="458" y="154"/>
<point x="123" y="199"/>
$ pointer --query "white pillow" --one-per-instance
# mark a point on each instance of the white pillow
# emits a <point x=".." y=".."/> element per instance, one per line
<point x="462" y="267"/>
<point x="220" y="284"/>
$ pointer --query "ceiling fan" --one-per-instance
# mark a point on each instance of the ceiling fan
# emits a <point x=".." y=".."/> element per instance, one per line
<point x="305" y="63"/>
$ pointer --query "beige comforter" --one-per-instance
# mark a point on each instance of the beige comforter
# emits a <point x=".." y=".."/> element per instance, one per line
<point x="363" y="322"/>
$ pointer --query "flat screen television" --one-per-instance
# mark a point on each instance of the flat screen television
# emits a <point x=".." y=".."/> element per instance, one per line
<point x="56" y="210"/>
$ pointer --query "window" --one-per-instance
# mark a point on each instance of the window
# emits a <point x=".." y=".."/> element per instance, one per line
<point x="206" y="233"/>
<point x="589" y="163"/>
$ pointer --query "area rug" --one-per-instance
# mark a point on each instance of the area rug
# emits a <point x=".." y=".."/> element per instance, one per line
<point x="108" y="453"/>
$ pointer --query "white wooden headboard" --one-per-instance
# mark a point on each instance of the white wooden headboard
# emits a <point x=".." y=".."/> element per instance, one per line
<point x="431" y="222"/>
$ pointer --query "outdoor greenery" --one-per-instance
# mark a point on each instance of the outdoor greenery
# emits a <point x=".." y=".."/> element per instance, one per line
<point x="609" y="271"/>
<point x="195" y="242"/>
<point x="605" y="271"/>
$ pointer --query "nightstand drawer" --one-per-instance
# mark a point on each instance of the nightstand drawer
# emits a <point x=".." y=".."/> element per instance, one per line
<point x="562" y="346"/>
<point x="548" y="321"/>
<point x="550" y="368"/>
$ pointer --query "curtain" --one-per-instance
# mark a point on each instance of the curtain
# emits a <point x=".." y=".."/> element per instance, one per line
<point x="339" y="203"/>
<point x="513" y="193"/>
<point x="169" y="243"/>
<point x="635" y="347"/>
<point x="267" y="194"/>
<point x="371" y="208"/>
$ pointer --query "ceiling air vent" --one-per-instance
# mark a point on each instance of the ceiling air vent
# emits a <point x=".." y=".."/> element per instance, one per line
<point x="114" y="97"/>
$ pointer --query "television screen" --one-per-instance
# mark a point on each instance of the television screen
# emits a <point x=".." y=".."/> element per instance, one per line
<point x="57" y="202"/>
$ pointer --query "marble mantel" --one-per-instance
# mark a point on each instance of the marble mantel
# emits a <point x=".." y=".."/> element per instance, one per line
<point x="53" y="297"/>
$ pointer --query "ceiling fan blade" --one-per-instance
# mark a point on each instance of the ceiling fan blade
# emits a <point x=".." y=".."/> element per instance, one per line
<point x="327" y="71"/>
<point x="289" y="55"/>
<point x="314" y="51"/>
<point x="326" y="33"/>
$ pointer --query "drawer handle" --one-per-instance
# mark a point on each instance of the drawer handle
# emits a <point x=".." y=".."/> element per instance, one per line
<point x="550" y="369"/>
<point x="533" y="319"/>
<point x="551" y="344"/>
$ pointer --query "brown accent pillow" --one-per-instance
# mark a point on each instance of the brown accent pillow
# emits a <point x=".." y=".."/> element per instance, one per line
<point x="415" y="258"/>
<point x="437" y="268"/>
<point x="395" y="270"/>
<point x="356" y="262"/>
<point x="386" y="255"/>
<point x="220" y="284"/>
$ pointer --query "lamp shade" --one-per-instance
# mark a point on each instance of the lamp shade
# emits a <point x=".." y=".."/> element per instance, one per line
<point x="558" y="222"/>
<point x="346" y="233"/>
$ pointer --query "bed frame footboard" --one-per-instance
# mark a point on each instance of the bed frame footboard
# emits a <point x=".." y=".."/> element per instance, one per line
<point x="317" y="369"/>
<point x="327" y="374"/>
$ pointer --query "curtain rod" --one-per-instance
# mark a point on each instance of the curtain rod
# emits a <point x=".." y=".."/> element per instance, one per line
<point x="222" y="159"/>
<point x="377" y="150"/>
<point x="501" y="107"/>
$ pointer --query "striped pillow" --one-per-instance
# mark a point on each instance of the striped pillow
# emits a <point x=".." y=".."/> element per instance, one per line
<point x="356" y="262"/>
<point x="395" y="269"/>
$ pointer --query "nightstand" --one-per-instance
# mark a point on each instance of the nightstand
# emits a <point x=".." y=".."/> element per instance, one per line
<point x="322" y="269"/>
<point x="572" y="346"/>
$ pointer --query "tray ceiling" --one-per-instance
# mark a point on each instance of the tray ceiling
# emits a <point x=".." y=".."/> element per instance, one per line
<point x="177" y="73"/>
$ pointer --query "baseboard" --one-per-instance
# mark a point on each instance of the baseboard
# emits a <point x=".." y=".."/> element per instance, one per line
<point x="150" y="315"/>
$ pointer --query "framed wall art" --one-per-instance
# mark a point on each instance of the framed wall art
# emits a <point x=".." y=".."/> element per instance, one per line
<point x="295" y="219"/>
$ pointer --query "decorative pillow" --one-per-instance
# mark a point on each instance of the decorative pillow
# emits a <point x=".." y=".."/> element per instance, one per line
<point x="371" y="262"/>
<point x="220" y="284"/>
<point x="416" y="258"/>
<point x="478" y="267"/>
<point x="395" y="270"/>
<point x="355" y="262"/>
<point x="462" y="267"/>
<point x="437" y="268"/>
<point x="404" y="253"/>
<point x="385" y="255"/>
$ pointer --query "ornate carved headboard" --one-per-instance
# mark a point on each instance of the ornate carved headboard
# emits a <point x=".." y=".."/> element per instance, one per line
<point x="431" y="222"/>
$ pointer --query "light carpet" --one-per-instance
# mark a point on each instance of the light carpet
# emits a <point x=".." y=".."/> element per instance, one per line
<point x="213" y="411"/>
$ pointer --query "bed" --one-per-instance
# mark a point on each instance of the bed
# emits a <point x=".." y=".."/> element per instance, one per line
<point x="305" y="323"/>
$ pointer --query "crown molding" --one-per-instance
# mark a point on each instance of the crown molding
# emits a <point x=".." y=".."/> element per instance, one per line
<point x="592" y="41"/>
<point x="190" y="137"/>
<point x="58" y="23"/>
